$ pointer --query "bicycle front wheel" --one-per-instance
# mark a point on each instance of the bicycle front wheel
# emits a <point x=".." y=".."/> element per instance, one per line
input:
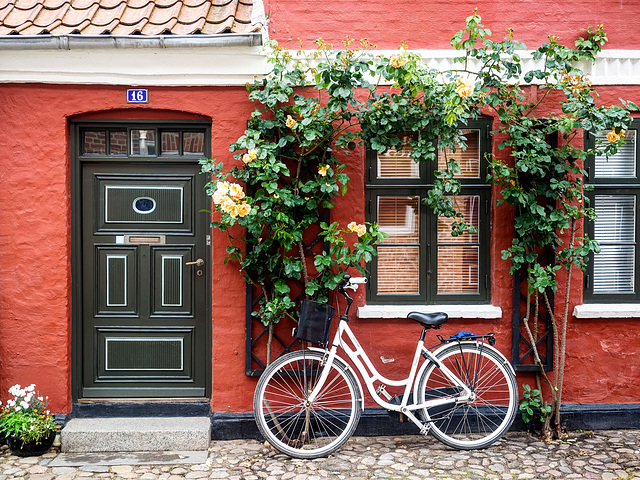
<point x="289" y="422"/>
<point x="481" y="420"/>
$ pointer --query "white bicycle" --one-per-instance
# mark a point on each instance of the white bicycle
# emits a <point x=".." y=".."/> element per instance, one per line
<point x="308" y="403"/>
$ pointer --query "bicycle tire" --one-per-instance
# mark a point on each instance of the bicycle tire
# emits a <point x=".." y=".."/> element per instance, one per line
<point x="483" y="420"/>
<point x="292" y="427"/>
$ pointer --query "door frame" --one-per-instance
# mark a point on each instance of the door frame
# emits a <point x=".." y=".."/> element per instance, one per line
<point x="75" y="127"/>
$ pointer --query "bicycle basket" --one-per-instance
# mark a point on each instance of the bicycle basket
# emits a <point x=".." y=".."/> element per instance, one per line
<point x="315" y="322"/>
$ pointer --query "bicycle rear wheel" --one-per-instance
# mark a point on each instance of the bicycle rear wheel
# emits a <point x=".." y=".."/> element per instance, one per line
<point x="292" y="425"/>
<point x="480" y="421"/>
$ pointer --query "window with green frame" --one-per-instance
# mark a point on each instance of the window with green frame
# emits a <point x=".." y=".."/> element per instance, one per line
<point x="421" y="262"/>
<point x="612" y="274"/>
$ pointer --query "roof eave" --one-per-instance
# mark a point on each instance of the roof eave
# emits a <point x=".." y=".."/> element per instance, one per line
<point x="73" y="41"/>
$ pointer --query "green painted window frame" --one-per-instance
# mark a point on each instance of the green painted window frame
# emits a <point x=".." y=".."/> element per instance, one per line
<point x="427" y="292"/>
<point x="614" y="186"/>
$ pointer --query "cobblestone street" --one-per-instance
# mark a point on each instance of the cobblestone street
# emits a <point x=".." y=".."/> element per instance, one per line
<point x="605" y="455"/>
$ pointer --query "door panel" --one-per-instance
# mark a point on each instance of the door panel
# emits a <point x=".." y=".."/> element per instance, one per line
<point x="144" y="315"/>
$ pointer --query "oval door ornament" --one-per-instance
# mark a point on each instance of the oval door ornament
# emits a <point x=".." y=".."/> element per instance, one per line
<point x="144" y="205"/>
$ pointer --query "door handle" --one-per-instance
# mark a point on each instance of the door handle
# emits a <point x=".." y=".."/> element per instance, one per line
<point x="199" y="262"/>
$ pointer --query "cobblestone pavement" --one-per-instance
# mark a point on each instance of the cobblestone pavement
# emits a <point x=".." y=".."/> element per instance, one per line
<point x="605" y="455"/>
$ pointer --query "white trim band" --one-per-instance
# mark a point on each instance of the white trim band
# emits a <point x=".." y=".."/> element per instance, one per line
<point x="194" y="61"/>
<point x="607" y="310"/>
<point x="454" y="311"/>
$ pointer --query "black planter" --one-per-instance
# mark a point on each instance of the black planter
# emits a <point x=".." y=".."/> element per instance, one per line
<point x="30" y="449"/>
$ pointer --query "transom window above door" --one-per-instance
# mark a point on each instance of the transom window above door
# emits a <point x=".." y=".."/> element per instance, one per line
<point x="143" y="141"/>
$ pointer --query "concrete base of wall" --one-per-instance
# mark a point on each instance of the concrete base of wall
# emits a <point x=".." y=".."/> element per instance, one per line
<point x="377" y="421"/>
<point x="374" y="421"/>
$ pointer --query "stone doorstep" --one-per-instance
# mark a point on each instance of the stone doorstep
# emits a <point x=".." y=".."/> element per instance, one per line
<point x="140" y="434"/>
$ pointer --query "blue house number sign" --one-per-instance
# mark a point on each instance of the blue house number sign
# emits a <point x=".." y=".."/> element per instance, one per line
<point x="137" y="95"/>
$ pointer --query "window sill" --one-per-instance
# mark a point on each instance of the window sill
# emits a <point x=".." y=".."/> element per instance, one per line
<point x="607" y="310"/>
<point x="454" y="311"/>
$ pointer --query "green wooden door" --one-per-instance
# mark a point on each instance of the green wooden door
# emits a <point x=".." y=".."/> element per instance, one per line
<point x="144" y="269"/>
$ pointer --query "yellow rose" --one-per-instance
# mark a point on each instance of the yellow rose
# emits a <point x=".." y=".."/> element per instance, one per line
<point x="612" y="136"/>
<point x="465" y="87"/>
<point x="290" y="122"/>
<point x="250" y="156"/>
<point x="244" y="209"/>
<point x="352" y="226"/>
<point x="235" y="192"/>
<point x="360" y="230"/>
<point x="323" y="170"/>
<point x="234" y="210"/>
<point x="397" y="61"/>
<point x="226" y="204"/>
<point x="222" y="187"/>
<point x="218" y="197"/>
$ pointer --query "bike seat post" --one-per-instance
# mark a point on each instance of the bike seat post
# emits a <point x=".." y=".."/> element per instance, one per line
<point x="345" y="315"/>
<point x="423" y="334"/>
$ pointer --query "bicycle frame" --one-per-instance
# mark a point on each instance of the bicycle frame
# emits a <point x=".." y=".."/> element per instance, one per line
<point x="370" y="374"/>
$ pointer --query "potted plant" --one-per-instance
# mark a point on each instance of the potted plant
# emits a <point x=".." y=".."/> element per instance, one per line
<point x="27" y="424"/>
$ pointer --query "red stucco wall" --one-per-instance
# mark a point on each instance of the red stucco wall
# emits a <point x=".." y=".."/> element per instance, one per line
<point x="431" y="24"/>
<point x="35" y="255"/>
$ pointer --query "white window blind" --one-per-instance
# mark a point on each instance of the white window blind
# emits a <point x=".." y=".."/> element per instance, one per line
<point x="458" y="264"/>
<point x="398" y="163"/>
<point x="623" y="163"/>
<point x="399" y="258"/>
<point x="469" y="159"/>
<point x="615" y="230"/>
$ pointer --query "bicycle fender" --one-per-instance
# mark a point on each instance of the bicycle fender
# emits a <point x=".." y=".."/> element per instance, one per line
<point x="426" y="363"/>
<point x="347" y="367"/>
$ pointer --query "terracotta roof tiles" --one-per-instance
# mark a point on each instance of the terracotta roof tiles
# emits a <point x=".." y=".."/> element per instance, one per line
<point x="125" y="17"/>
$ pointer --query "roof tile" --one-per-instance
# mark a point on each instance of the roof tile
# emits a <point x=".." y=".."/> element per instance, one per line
<point x="162" y="15"/>
<point x="125" y="17"/>
<point x="55" y="4"/>
<point x="4" y="11"/>
<point x="196" y="3"/>
<point x="132" y="16"/>
<point x="166" y="3"/>
<point x="190" y="15"/>
<point x="95" y="29"/>
<point x="220" y="13"/>
<point x="105" y="16"/>
<point x="131" y="28"/>
<point x="139" y="3"/>
<point x="20" y="19"/>
<point x="27" y="4"/>
<point x="48" y="18"/>
<point x="112" y="4"/>
<point x="188" y="28"/>
<point x="75" y="17"/>
<point x="83" y="4"/>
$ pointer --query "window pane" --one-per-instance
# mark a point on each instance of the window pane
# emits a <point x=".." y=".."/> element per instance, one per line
<point x="623" y="163"/>
<point x="94" y="142"/>
<point x="458" y="269"/>
<point x="143" y="142"/>
<point x="118" y="143"/>
<point x="616" y="220"/>
<point x="398" y="163"/>
<point x="170" y="143"/>
<point x="469" y="206"/>
<point x="469" y="159"/>
<point x="613" y="269"/>
<point x="398" y="217"/>
<point x="398" y="270"/>
<point x="193" y="143"/>
<point x="615" y="227"/>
